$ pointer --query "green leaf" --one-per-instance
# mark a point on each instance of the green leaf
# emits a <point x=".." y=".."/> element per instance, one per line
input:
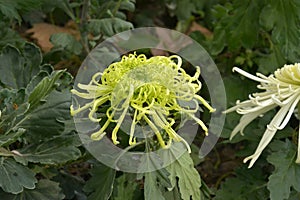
<point x="11" y="137"/>
<point x="151" y="187"/>
<point x="233" y="27"/>
<point x="16" y="70"/>
<point x="100" y="186"/>
<point x="127" y="5"/>
<point x="66" y="42"/>
<point x="174" y="194"/>
<point x="58" y="150"/>
<point x="125" y="188"/>
<point x="189" y="181"/>
<point x="268" y="63"/>
<point x="71" y="185"/>
<point x="283" y="17"/>
<point x="9" y="36"/>
<point x="46" y="121"/>
<point x="286" y="174"/>
<point x="249" y="184"/>
<point x="43" y="88"/>
<point x="109" y="26"/>
<point x="45" y="190"/>
<point x="9" y="9"/>
<point x="15" y="177"/>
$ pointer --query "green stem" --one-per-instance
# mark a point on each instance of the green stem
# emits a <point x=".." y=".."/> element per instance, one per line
<point x="84" y="24"/>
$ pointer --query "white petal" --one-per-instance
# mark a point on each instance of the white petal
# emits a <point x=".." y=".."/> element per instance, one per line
<point x="250" y="76"/>
<point x="268" y="134"/>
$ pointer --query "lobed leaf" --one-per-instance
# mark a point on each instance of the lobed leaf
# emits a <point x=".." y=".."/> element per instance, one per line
<point x="15" y="177"/>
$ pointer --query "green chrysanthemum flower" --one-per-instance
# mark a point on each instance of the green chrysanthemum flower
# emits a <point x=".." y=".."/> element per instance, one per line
<point x="281" y="89"/>
<point x="151" y="90"/>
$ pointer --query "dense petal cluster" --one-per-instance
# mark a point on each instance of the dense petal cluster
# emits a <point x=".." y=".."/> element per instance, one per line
<point x="150" y="90"/>
<point x="281" y="89"/>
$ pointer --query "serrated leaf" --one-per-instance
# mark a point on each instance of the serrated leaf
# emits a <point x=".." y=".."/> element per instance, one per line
<point x="249" y="184"/>
<point x="109" y="26"/>
<point x="16" y="70"/>
<point x="57" y="150"/>
<point x="46" y="121"/>
<point x="285" y="16"/>
<point x="45" y="190"/>
<point x="189" y="181"/>
<point x="15" y="177"/>
<point x="67" y="42"/>
<point x="100" y="186"/>
<point x="286" y="173"/>
<point x="233" y="27"/>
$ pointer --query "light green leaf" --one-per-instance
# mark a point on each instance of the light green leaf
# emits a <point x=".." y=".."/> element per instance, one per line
<point x="109" y="26"/>
<point x="15" y="177"/>
<point x="174" y="194"/>
<point x="54" y="151"/>
<point x="151" y="187"/>
<point x="16" y="70"/>
<point x="45" y="190"/>
<point x="100" y="186"/>
<point x="286" y="174"/>
<point x="44" y="87"/>
<point x="189" y="181"/>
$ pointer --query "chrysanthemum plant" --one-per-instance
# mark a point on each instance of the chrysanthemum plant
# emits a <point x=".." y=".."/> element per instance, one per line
<point x="152" y="92"/>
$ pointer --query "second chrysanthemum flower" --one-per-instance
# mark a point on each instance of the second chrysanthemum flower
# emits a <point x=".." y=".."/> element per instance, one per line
<point x="281" y="89"/>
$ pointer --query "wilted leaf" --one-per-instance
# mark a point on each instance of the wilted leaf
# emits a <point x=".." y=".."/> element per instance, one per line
<point x="43" y="31"/>
<point x="15" y="177"/>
